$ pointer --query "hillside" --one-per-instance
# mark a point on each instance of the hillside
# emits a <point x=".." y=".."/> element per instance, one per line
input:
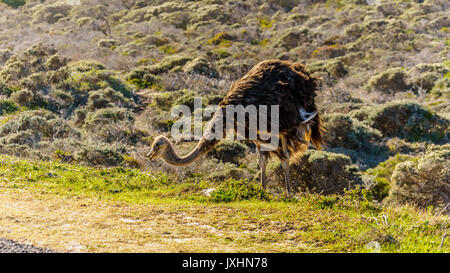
<point x="91" y="83"/>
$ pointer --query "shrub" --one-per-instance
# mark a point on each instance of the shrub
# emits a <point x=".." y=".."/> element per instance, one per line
<point x="35" y="82"/>
<point x="441" y="88"/>
<point x="5" y="90"/>
<point x="166" y="100"/>
<point x="89" y="76"/>
<point x="154" y="40"/>
<point x="345" y="131"/>
<point x="179" y="19"/>
<point x="390" y="81"/>
<point x="14" y="3"/>
<point x="65" y="157"/>
<point x="17" y="150"/>
<point x="227" y="171"/>
<point x="84" y="21"/>
<point x="343" y="108"/>
<point x="229" y="151"/>
<point x="80" y="116"/>
<point x="142" y="78"/>
<point x="14" y="70"/>
<point x="200" y="66"/>
<point x="220" y="53"/>
<point x="51" y="13"/>
<point x="222" y="39"/>
<point x="397" y="145"/>
<point x="424" y="182"/>
<point x="7" y="107"/>
<point x="236" y="190"/>
<point x="169" y="49"/>
<point x="5" y="54"/>
<point x="186" y="99"/>
<point x="321" y="172"/>
<point x="99" y="156"/>
<point x="107" y="116"/>
<point x="108" y="43"/>
<point x="131" y="162"/>
<point x="105" y="98"/>
<point x="64" y="96"/>
<point x="85" y="66"/>
<point x="293" y="37"/>
<point x="336" y="69"/>
<point x="329" y="51"/>
<point x="210" y="12"/>
<point x="405" y="120"/>
<point x="97" y="100"/>
<point x="47" y="125"/>
<point x="21" y="138"/>
<point x="22" y="97"/>
<point x="165" y="65"/>
<point x="426" y="80"/>
<point x="380" y="176"/>
<point x="55" y="62"/>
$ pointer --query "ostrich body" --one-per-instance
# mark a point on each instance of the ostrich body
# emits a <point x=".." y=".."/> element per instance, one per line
<point x="271" y="82"/>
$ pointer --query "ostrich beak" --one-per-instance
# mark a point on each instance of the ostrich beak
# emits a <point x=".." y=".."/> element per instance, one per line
<point x="151" y="154"/>
<point x="306" y="116"/>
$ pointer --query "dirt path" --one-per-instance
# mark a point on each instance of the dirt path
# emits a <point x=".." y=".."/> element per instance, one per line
<point x="82" y="225"/>
<point x="74" y="224"/>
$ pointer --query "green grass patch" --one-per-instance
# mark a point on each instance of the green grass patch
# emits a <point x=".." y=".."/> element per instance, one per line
<point x="234" y="190"/>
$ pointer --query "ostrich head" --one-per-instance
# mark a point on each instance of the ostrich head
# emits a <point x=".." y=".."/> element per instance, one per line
<point x="159" y="147"/>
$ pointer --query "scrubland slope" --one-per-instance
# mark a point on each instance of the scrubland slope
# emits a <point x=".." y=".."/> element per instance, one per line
<point x="92" y="82"/>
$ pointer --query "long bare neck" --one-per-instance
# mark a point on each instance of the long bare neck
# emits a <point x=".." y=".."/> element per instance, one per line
<point x="171" y="157"/>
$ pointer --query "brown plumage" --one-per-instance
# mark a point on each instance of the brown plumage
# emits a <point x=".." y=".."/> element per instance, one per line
<point x="271" y="82"/>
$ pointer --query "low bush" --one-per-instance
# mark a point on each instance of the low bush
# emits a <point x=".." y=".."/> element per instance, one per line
<point x="423" y="182"/>
<point x="236" y="190"/>
<point x="380" y="176"/>
<point x="345" y="131"/>
<point x="405" y="120"/>
<point x="43" y="123"/>
<point x="390" y="81"/>
<point x="105" y="116"/>
<point x="321" y="172"/>
<point x="229" y="151"/>
<point x="14" y="3"/>
<point x="7" y="107"/>
<point x="103" y="156"/>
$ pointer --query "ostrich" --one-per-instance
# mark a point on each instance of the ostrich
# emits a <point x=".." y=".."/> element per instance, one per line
<point x="271" y="82"/>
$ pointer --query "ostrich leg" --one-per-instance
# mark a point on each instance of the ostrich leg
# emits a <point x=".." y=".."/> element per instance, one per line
<point x="285" y="163"/>
<point x="262" y="157"/>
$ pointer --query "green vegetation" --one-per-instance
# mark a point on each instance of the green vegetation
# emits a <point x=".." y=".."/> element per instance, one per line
<point x="406" y="120"/>
<point x="235" y="190"/>
<point x="229" y="151"/>
<point x="423" y="182"/>
<point x="14" y="3"/>
<point x="102" y="81"/>
<point x="382" y="174"/>
<point x="335" y="223"/>
<point x="337" y="173"/>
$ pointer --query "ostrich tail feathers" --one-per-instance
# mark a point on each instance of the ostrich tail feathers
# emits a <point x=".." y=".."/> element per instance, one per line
<point x="317" y="133"/>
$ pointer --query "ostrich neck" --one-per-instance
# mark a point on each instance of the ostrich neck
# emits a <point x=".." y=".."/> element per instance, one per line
<point x="171" y="157"/>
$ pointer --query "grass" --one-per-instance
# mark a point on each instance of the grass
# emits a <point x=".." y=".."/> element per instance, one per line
<point x="90" y="205"/>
